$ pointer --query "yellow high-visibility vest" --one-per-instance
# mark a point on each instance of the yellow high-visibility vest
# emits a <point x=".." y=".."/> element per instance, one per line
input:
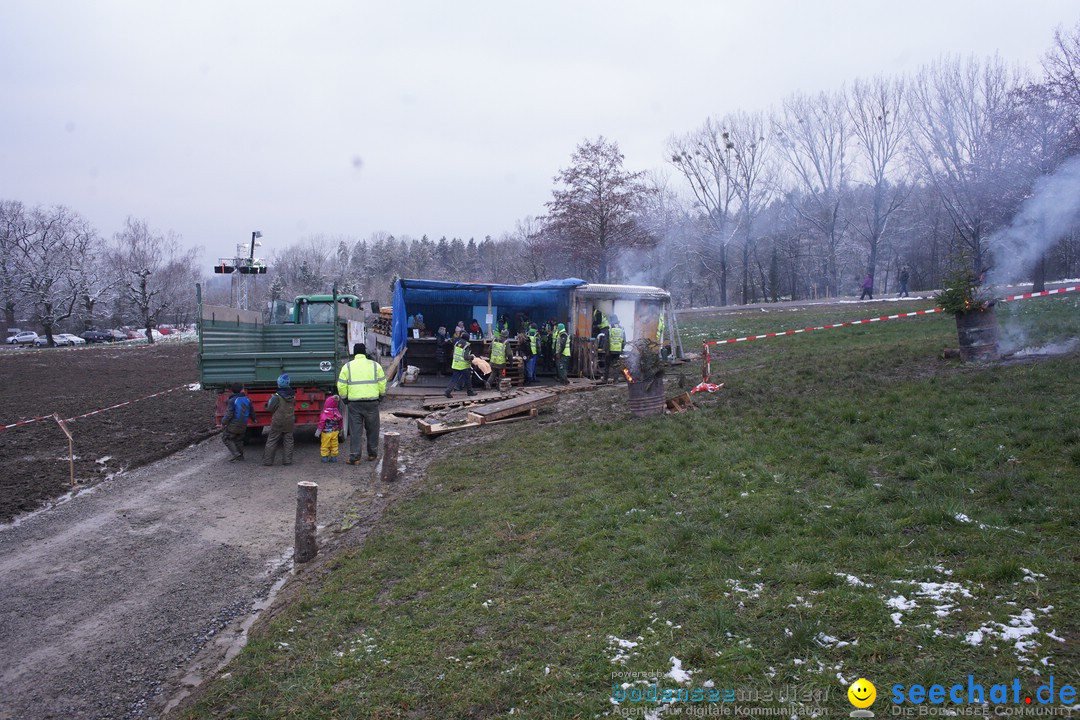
<point x="459" y="362"/>
<point x="361" y="379"/>
<point x="615" y="339"/>
<point x="498" y="352"/>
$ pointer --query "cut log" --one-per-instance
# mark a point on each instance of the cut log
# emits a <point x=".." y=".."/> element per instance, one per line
<point x="509" y="408"/>
<point x="407" y="413"/>
<point x="437" y="402"/>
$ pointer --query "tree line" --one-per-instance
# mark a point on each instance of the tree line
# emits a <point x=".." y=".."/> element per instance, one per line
<point x="926" y="172"/>
<point x="57" y="271"/>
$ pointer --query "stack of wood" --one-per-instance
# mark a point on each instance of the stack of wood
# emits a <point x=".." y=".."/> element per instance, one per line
<point x="512" y="410"/>
<point x="383" y="323"/>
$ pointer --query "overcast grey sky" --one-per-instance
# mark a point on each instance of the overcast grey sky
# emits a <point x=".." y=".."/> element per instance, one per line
<point x="214" y="118"/>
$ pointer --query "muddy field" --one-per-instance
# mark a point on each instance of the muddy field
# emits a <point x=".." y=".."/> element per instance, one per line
<point x="34" y="465"/>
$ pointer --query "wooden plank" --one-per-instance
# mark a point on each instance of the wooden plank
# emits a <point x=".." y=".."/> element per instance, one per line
<point x="437" y="402"/>
<point x="428" y="428"/>
<point x="515" y="406"/>
<point x="531" y="413"/>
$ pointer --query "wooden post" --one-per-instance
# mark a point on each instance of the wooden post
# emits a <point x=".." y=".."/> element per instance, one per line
<point x="71" y="446"/>
<point x="306" y="548"/>
<point x="390" y="453"/>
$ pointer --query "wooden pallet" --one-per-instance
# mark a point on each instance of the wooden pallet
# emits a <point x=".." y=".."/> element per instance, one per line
<point x="510" y="408"/>
<point x="680" y="403"/>
<point x="440" y="428"/>
<point x="440" y="402"/>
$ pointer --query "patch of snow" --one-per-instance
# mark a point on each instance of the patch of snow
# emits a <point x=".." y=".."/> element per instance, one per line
<point x="852" y="580"/>
<point x="677" y="673"/>
<point x="896" y="618"/>
<point x="961" y="517"/>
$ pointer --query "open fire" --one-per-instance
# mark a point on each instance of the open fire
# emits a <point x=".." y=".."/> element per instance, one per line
<point x="629" y="377"/>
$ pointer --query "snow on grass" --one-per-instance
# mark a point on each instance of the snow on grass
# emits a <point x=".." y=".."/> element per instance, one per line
<point x="1031" y="576"/>
<point x="622" y="649"/>
<point x="676" y="672"/>
<point x="852" y="580"/>
<point x="1020" y="631"/>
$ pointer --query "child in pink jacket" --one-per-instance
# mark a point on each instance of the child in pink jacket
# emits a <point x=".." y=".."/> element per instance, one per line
<point x="329" y="427"/>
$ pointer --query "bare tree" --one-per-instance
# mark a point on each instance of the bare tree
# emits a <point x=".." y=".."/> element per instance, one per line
<point x="48" y="253"/>
<point x="880" y="125"/>
<point x="754" y="182"/>
<point x="815" y="133"/>
<point x="157" y="272"/>
<point x="705" y="158"/>
<point x="1061" y="68"/>
<point x="593" y="212"/>
<point x="14" y="231"/>
<point x="958" y="111"/>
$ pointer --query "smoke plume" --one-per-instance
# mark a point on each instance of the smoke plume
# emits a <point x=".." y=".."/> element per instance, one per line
<point x="1051" y="213"/>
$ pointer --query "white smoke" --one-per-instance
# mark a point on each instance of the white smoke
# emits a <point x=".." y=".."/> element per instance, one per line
<point x="1051" y="213"/>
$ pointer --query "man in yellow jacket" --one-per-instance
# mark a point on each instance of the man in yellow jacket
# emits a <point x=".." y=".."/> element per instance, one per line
<point x="361" y="385"/>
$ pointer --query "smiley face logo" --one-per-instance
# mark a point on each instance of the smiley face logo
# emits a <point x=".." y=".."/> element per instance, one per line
<point x="862" y="693"/>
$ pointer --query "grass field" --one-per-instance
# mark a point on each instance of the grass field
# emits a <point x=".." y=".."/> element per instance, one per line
<point x="849" y="505"/>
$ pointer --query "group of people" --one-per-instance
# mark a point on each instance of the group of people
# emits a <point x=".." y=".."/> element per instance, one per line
<point x="868" y="284"/>
<point x="549" y="346"/>
<point x="361" y="385"/>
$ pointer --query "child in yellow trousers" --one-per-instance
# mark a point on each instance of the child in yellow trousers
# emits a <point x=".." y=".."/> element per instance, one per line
<point x="329" y="428"/>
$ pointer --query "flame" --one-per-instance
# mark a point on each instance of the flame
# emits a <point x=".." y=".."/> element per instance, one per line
<point x="629" y="377"/>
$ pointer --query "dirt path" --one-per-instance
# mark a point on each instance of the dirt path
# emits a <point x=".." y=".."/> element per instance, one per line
<point x="115" y="601"/>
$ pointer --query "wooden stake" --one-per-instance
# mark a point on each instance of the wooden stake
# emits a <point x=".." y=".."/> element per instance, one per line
<point x="71" y="446"/>
<point x="306" y="548"/>
<point x="390" y="453"/>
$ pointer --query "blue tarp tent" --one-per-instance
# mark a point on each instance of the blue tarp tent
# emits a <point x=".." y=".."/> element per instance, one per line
<point x="440" y="301"/>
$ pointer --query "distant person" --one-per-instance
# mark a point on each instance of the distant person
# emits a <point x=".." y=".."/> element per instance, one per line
<point x="904" y="277"/>
<point x="459" y="328"/>
<point x="443" y="343"/>
<point x="461" y="366"/>
<point x="532" y="352"/>
<point x="562" y="353"/>
<point x="329" y="427"/>
<point x="238" y="411"/>
<point x="282" y="409"/>
<point x="362" y="384"/>
<point x="499" y="349"/>
<point x="867" y="287"/>
<point x="616" y="340"/>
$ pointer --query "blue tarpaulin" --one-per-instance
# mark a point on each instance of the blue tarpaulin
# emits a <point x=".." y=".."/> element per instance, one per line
<point x="431" y="296"/>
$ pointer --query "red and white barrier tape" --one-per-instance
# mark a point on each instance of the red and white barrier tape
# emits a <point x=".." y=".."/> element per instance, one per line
<point x="95" y="412"/>
<point x="825" y="327"/>
<point x="1025" y="296"/>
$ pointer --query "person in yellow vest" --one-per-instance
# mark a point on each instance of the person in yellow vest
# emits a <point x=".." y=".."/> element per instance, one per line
<point x="461" y="366"/>
<point x="499" y="350"/>
<point x="562" y="353"/>
<point x="599" y="322"/>
<point x="532" y="353"/>
<point x="616" y="341"/>
<point x="361" y="384"/>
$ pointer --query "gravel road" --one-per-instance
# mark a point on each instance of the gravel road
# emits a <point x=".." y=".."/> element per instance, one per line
<point x="114" y="602"/>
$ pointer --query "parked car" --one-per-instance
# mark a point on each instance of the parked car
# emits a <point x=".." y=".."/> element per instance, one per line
<point x="117" y="335"/>
<point x="43" y="340"/>
<point x="26" y="337"/>
<point x="70" y="339"/>
<point x="98" y="336"/>
<point x="141" y="334"/>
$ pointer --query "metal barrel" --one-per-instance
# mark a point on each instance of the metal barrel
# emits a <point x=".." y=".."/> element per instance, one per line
<point x="977" y="333"/>
<point x="647" y="398"/>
